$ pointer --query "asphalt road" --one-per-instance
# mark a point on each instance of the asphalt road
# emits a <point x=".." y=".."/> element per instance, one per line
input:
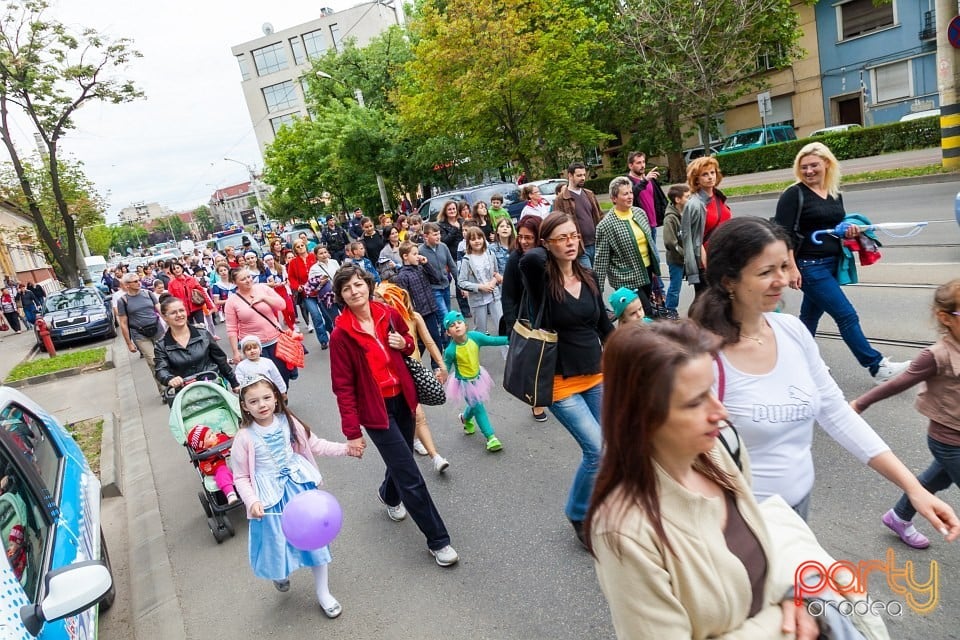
<point x="522" y="574"/>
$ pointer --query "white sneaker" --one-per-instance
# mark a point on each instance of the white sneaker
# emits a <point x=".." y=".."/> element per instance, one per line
<point x="418" y="447"/>
<point x="889" y="370"/>
<point x="397" y="513"/>
<point x="310" y="329"/>
<point x="440" y="463"/>
<point x="445" y="557"/>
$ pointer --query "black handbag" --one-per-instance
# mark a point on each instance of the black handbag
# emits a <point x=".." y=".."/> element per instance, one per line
<point x="429" y="390"/>
<point x="531" y="359"/>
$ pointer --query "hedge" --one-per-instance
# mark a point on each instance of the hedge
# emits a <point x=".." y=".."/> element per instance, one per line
<point x="855" y="143"/>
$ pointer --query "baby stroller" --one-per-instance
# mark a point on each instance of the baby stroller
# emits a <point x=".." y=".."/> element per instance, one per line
<point x="203" y="402"/>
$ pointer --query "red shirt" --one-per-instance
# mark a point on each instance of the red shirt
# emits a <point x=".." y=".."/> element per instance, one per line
<point x="717" y="212"/>
<point x="297" y="270"/>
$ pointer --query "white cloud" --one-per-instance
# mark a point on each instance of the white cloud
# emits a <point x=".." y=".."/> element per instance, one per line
<point x="169" y="147"/>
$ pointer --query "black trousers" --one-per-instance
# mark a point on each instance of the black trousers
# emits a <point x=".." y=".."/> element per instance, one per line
<point x="403" y="481"/>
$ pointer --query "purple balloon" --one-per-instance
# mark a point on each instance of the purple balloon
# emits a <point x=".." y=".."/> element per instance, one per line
<point x="311" y="520"/>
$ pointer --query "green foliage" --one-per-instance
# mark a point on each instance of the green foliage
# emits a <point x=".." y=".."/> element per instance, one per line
<point x="99" y="239"/>
<point x="512" y="79"/>
<point x="128" y="236"/>
<point x="856" y="143"/>
<point x="47" y="72"/>
<point x="694" y="59"/>
<point x="204" y="219"/>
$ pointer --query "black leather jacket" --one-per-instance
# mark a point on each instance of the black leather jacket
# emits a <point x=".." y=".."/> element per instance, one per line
<point x="200" y="354"/>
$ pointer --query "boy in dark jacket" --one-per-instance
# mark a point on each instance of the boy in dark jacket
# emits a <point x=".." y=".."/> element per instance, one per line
<point x="677" y="195"/>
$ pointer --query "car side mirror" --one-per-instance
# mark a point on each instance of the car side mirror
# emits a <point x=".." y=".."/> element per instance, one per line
<point x="68" y="591"/>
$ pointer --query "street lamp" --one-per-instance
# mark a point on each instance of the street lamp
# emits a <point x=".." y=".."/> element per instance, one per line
<point x="358" y="94"/>
<point x="256" y="192"/>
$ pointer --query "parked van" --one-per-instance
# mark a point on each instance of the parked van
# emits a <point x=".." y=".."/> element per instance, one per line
<point x="758" y="137"/>
<point x="96" y="265"/>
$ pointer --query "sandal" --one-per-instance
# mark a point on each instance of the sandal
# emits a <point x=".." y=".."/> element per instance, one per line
<point x="333" y="611"/>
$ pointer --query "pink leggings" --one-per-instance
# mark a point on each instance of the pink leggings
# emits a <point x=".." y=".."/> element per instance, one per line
<point x="224" y="479"/>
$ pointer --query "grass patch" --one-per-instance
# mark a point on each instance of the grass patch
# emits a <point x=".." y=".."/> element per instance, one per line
<point x="866" y="176"/>
<point x="88" y="433"/>
<point x="69" y="360"/>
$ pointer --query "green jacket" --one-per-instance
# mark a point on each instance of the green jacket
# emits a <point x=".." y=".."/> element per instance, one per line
<point x="617" y="256"/>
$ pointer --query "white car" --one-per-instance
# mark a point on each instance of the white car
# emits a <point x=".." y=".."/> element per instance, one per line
<point x="929" y="113"/>
<point x="837" y="128"/>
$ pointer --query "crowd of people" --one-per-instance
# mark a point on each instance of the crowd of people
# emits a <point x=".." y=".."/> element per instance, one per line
<point x="657" y="497"/>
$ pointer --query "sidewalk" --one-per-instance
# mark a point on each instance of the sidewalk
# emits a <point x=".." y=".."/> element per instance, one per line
<point x="15" y="349"/>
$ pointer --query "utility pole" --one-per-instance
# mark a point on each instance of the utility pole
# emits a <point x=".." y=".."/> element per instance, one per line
<point x="947" y="82"/>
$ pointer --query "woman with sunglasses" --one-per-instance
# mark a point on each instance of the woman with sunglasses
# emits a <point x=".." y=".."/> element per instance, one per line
<point x="573" y="307"/>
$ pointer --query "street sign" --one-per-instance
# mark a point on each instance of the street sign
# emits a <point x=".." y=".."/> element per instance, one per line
<point x="765" y="104"/>
<point x="953" y="32"/>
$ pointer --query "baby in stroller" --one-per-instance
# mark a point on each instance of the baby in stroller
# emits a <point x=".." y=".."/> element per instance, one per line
<point x="202" y="438"/>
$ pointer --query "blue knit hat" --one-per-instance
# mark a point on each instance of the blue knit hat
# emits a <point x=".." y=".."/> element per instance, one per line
<point x="451" y="317"/>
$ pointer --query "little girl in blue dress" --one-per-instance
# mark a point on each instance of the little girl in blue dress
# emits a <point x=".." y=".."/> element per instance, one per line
<point x="273" y="460"/>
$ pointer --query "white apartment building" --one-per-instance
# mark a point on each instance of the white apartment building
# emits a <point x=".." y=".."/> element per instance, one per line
<point x="143" y="212"/>
<point x="237" y="203"/>
<point x="272" y="66"/>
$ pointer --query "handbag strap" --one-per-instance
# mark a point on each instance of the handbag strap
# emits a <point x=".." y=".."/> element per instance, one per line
<point x="729" y="437"/>
<point x="262" y="314"/>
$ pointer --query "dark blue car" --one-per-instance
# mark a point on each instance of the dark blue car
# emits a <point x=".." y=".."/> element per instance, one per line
<point x="77" y="314"/>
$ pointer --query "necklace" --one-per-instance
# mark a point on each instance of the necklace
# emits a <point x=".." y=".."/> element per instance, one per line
<point x="756" y="339"/>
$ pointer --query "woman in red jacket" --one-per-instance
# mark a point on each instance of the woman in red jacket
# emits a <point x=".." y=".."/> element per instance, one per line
<point x="297" y="269"/>
<point x="374" y="389"/>
<point x="190" y="292"/>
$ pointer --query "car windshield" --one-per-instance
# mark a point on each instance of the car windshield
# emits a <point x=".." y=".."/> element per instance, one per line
<point x="510" y="194"/>
<point x="72" y="300"/>
<point x="741" y="139"/>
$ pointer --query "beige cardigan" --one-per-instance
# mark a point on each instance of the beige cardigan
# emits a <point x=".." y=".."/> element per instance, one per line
<point x="701" y="592"/>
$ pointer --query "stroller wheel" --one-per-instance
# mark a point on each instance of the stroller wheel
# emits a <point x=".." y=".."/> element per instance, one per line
<point x="205" y="503"/>
<point x="227" y="525"/>
<point x="218" y="533"/>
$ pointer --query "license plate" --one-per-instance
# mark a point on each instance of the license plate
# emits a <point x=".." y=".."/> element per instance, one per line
<point x="72" y="330"/>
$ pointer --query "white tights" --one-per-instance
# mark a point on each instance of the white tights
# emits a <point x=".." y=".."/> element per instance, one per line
<point x="323" y="589"/>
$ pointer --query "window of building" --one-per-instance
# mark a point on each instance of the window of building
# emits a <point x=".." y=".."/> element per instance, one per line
<point x="892" y="81"/>
<point x="244" y="66"/>
<point x="315" y="43"/>
<point x="858" y="17"/>
<point x="771" y="57"/>
<point x="282" y="121"/>
<point x="280" y="96"/>
<point x="335" y="36"/>
<point x="299" y="54"/>
<point x="270" y="59"/>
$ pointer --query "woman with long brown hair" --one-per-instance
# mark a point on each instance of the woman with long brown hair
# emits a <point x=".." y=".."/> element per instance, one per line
<point x="569" y="293"/>
<point x="671" y="517"/>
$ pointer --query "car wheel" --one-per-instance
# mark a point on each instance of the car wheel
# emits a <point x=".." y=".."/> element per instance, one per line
<point x="107" y="601"/>
<point x="113" y="332"/>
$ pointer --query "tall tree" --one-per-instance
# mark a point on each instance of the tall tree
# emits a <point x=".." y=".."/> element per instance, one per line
<point x="47" y="72"/>
<point x="515" y="77"/>
<point x="204" y="219"/>
<point x="702" y="56"/>
<point x="99" y="239"/>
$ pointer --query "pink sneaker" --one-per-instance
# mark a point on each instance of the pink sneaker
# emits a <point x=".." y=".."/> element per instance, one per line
<point x="913" y="538"/>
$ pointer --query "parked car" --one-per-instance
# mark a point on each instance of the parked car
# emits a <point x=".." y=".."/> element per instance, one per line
<point x="548" y="189"/>
<point x="56" y="568"/>
<point x="697" y="152"/>
<point x="235" y="239"/>
<point x="430" y="209"/>
<point x="757" y="137"/>
<point x="288" y="236"/>
<point x="837" y="128"/>
<point x="929" y="113"/>
<point x="77" y="314"/>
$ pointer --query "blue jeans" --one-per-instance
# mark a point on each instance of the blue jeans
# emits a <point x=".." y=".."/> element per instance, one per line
<point x="320" y="321"/>
<point x="676" y="282"/>
<point x="942" y="472"/>
<point x="589" y="253"/>
<point x="580" y="415"/>
<point x="442" y="296"/>
<point x="822" y="293"/>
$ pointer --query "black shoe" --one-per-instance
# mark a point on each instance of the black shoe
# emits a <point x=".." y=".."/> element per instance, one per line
<point x="282" y="585"/>
<point x="539" y="417"/>
<point x="578" y="529"/>
<point x="325" y="346"/>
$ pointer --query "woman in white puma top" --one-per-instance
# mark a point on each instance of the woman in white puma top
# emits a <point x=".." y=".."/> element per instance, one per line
<point x="775" y="384"/>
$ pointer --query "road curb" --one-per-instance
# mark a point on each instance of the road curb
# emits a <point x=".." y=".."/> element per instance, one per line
<point x="936" y="178"/>
<point x="155" y="607"/>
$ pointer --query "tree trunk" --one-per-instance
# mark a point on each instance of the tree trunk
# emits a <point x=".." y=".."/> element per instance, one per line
<point x="677" y="172"/>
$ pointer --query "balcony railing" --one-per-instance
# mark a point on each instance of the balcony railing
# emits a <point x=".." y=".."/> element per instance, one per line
<point x="929" y="31"/>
